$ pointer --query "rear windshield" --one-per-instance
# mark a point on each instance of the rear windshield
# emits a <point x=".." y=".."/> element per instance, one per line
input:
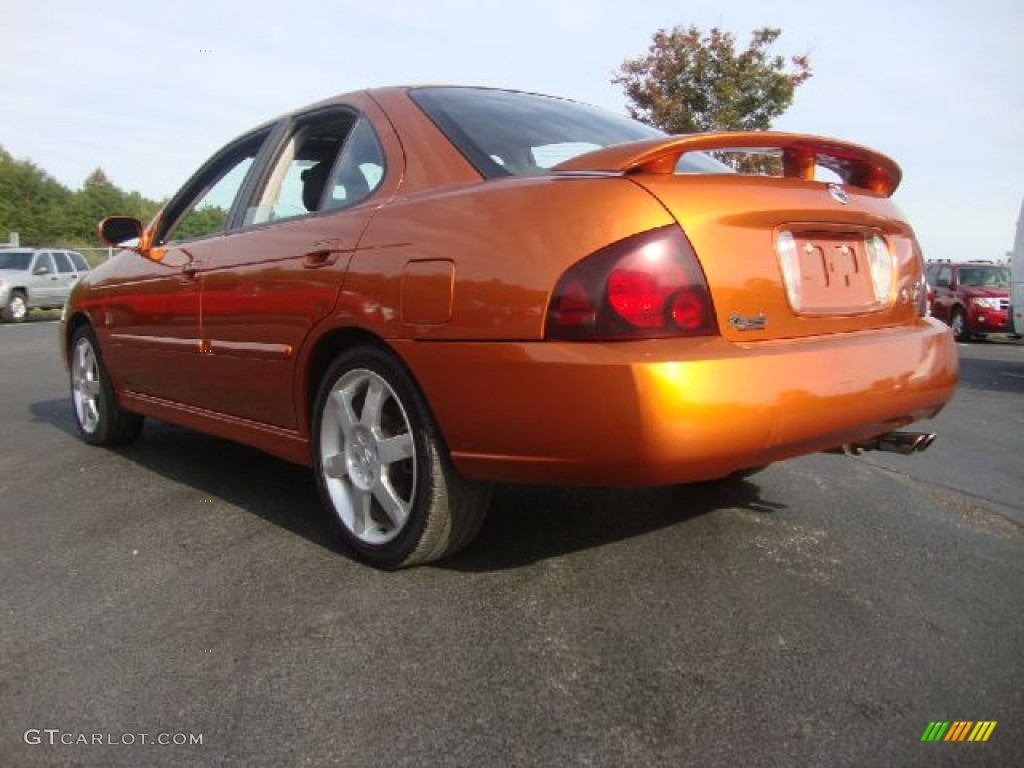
<point x="509" y="133"/>
<point x="15" y="259"/>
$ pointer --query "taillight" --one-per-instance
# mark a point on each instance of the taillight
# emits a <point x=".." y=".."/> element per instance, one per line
<point x="643" y="287"/>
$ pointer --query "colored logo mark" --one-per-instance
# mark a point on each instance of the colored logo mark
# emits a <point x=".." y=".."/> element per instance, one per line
<point x="959" y="730"/>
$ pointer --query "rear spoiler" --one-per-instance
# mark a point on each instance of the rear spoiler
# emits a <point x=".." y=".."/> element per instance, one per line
<point x="855" y="165"/>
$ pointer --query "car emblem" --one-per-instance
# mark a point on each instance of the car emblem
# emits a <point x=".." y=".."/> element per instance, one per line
<point x="838" y="194"/>
<point x="756" y="322"/>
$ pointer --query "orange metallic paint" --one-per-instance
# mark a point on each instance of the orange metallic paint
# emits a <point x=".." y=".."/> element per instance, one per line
<point x="659" y="412"/>
<point x="454" y="274"/>
<point x="427" y="291"/>
<point x="858" y="166"/>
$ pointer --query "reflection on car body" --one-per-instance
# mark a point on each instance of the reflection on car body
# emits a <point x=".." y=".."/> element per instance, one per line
<point x="421" y="291"/>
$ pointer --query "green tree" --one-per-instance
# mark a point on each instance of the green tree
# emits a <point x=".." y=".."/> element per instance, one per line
<point x="204" y="220"/>
<point x="690" y="82"/>
<point x="32" y="203"/>
<point x="140" y="207"/>
<point x="45" y="212"/>
<point x="97" y="198"/>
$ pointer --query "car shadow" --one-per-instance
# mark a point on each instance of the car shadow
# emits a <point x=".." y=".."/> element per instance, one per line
<point x="278" y="491"/>
<point x="56" y="413"/>
<point x="525" y="524"/>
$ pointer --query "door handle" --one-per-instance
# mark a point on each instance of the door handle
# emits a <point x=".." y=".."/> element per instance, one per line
<point x="189" y="272"/>
<point x="317" y="259"/>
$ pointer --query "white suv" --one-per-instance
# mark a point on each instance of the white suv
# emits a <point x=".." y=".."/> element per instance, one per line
<point x="37" y="278"/>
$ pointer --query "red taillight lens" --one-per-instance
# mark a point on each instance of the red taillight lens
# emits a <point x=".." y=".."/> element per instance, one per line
<point x="575" y="309"/>
<point x="643" y="287"/>
<point x="637" y="297"/>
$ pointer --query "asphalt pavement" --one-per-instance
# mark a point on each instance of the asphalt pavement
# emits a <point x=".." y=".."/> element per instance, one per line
<point x="822" y="612"/>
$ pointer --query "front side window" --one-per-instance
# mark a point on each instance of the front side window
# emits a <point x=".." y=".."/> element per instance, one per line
<point x="945" y="275"/>
<point x="204" y="208"/>
<point x="44" y="265"/>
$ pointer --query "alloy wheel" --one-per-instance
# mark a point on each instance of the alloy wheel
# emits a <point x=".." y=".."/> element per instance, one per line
<point x="17" y="308"/>
<point x="85" y="385"/>
<point x="368" y="456"/>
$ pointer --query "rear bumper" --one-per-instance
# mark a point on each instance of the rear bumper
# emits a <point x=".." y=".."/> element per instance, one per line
<point x="674" y="411"/>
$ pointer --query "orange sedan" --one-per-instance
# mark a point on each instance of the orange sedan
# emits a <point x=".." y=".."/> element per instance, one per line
<point x="420" y="291"/>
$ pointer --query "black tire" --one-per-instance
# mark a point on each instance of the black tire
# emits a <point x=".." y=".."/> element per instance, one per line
<point x="958" y="322"/>
<point x="100" y="420"/>
<point x="383" y="469"/>
<point x="16" y="309"/>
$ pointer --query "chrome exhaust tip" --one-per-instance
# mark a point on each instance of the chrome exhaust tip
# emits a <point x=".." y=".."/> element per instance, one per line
<point x="903" y="443"/>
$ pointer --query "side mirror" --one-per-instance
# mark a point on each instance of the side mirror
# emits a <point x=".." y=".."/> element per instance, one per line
<point x="118" y="230"/>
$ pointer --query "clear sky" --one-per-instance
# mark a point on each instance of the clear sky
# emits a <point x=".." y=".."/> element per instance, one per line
<point x="147" y="91"/>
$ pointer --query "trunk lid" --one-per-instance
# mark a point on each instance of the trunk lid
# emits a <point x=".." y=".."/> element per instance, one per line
<point x="790" y="256"/>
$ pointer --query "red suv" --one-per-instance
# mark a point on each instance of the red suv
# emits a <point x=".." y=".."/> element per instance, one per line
<point x="973" y="298"/>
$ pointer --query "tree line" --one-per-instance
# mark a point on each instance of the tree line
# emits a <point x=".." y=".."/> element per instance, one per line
<point x="45" y="212"/>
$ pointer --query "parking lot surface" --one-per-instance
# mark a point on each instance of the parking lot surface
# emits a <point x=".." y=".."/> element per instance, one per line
<point x="821" y="612"/>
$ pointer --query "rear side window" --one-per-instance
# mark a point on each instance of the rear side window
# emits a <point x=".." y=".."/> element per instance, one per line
<point x="331" y="160"/>
<point x="63" y="262"/>
<point x="359" y="169"/>
<point x="79" y="261"/>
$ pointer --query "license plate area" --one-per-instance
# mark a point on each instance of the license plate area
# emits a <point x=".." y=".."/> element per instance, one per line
<point x="827" y="273"/>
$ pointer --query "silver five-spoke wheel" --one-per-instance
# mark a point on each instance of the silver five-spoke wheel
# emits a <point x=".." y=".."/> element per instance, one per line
<point x="383" y="468"/>
<point x="368" y="456"/>
<point x="85" y="385"/>
<point x="100" y="418"/>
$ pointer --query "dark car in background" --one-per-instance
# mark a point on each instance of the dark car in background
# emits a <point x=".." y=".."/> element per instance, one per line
<point x="37" y="278"/>
<point x="972" y="297"/>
